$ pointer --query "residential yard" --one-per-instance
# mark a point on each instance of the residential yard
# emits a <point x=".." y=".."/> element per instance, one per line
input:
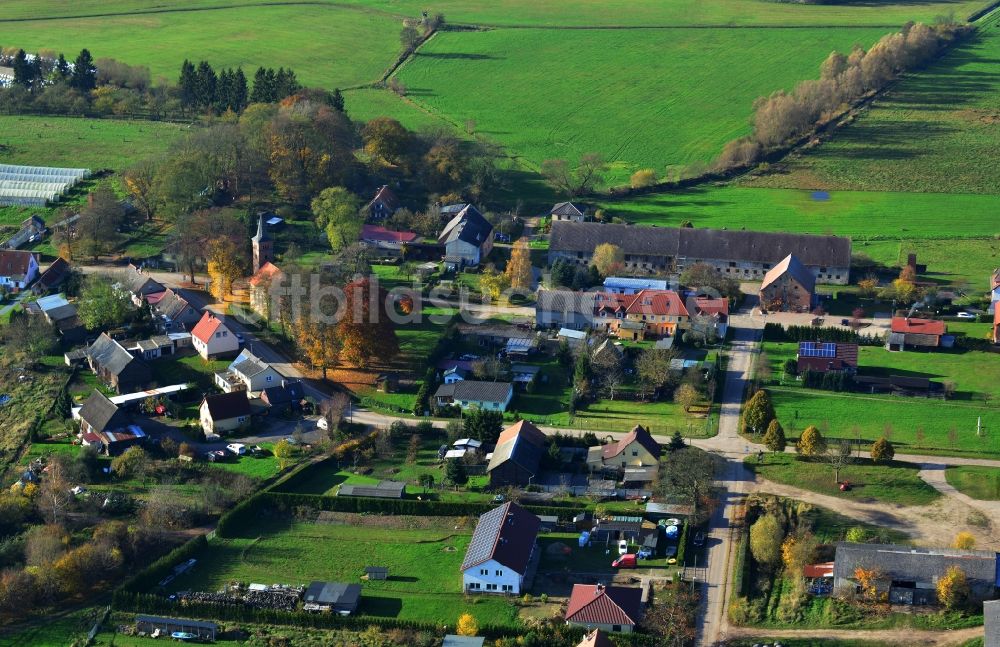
<point x="562" y="554"/>
<point x="424" y="578"/>
<point x="188" y="369"/>
<point x="891" y="483"/>
<point x="978" y="482"/>
<point x="913" y="424"/>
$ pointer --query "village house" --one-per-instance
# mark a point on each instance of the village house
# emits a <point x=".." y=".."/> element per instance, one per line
<point x="104" y="424"/>
<point x="568" y="211"/>
<point x="384" y="204"/>
<point x="248" y="373"/>
<point x="53" y="276"/>
<point x="386" y="240"/>
<point x="996" y="326"/>
<point x="741" y="255"/>
<point x="647" y="313"/>
<point x="117" y="367"/>
<point x="631" y="285"/>
<point x="174" y="311"/>
<point x="518" y="456"/>
<point x="824" y="357"/>
<point x="261" y="284"/>
<point x="140" y="284"/>
<point x="17" y="269"/>
<point x="609" y="608"/>
<point x="914" y="332"/>
<point x="994" y="291"/>
<point x="502" y="553"/>
<point x="564" y="309"/>
<point x="909" y="575"/>
<point x="636" y="450"/>
<point x="709" y="313"/>
<point x="224" y="412"/>
<point x="212" y="338"/>
<point x="475" y="394"/>
<point x="286" y="398"/>
<point x="467" y="239"/>
<point x="596" y="638"/>
<point x="789" y="286"/>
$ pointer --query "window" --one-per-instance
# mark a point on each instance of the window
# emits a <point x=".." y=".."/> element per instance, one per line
<point x="225" y="333"/>
<point x="491" y="587"/>
<point x="508" y="587"/>
<point x="635" y="452"/>
<point x="218" y="335"/>
<point x="474" y="585"/>
<point x="822" y="269"/>
<point x="616" y="628"/>
<point x="484" y="571"/>
<point x="499" y="573"/>
<point x="732" y="264"/>
<point x="241" y="419"/>
<point x="268" y="379"/>
<point x="838" y="276"/>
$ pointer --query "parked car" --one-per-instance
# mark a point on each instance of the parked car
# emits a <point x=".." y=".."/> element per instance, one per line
<point x="627" y="560"/>
<point x="622" y="546"/>
<point x="322" y="424"/>
<point x="237" y="448"/>
<point x="499" y="498"/>
<point x="644" y="553"/>
<point x="699" y="539"/>
<point x="966" y="315"/>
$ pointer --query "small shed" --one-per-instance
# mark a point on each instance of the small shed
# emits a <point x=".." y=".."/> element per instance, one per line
<point x="572" y="337"/>
<point x="332" y="596"/>
<point x="150" y="625"/>
<point x="377" y="572"/>
<point x="452" y="640"/>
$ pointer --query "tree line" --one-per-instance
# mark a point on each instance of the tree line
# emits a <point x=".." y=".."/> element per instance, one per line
<point x="844" y="80"/>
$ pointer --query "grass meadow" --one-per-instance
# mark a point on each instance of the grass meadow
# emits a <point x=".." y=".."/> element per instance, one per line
<point x="937" y="130"/>
<point x="565" y="93"/>
<point x="978" y="482"/>
<point x="424" y="578"/>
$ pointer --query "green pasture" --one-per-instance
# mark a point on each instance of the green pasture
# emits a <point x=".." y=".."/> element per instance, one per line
<point x="424" y="582"/>
<point x="644" y="98"/>
<point x="895" y="482"/>
<point x="80" y="143"/>
<point x="327" y="45"/>
<point x="976" y="481"/>
<point x="937" y="130"/>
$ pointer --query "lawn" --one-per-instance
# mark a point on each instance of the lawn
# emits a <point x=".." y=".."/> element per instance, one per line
<point x="66" y="629"/>
<point x="424" y="578"/>
<point x="978" y="482"/>
<point x="895" y="483"/>
<point x="564" y="95"/>
<point x="187" y="369"/>
<point x="327" y="45"/>
<point x="953" y="107"/>
<point x="80" y="143"/>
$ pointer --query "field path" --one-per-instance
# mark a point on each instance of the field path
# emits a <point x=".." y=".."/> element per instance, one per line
<point x="881" y="636"/>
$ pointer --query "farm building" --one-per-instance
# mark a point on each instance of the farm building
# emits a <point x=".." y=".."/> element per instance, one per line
<point x="468" y="394"/>
<point x="991" y="617"/>
<point x="377" y="572"/>
<point x="914" y="332"/>
<point x="451" y="640"/>
<point x="380" y="490"/>
<point x="568" y="211"/>
<point x="630" y="285"/>
<point x="596" y="638"/>
<point x="564" y="309"/>
<point x="742" y="255"/>
<point x="117" y="367"/>
<point x="36" y="186"/>
<point x="610" y="608"/>
<point x="824" y="357"/>
<point x="384" y="204"/>
<point x="518" y="455"/>
<point x="155" y="625"/>
<point x="386" y="239"/>
<point x="332" y="596"/>
<point x="502" y="553"/>
<point x="52" y="277"/>
<point x="789" y="286"/>
<point x="17" y="269"/>
<point x="467" y="239"/>
<point x="910" y="575"/>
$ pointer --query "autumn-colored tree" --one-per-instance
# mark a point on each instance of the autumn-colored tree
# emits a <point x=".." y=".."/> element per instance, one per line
<point x="905" y="291"/>
<point x="583" y="178"/>
<point x="964" y="540"/>
<point x="337" y="213"/>
<point x="687" y="396"/>
<point x="493" y="283"/>
<point x="319" y="342"/>
<point x="130" y="464"/>
<point x="310" y="147"/>
<point x="519" y="273"/>
<point x="608" y="259"/>
<point x="870" y="581"/>
<point x="758" y="413"/>
<point x="799" y="550"/>
<point x="226" y="263"/>
<point x="140" y="183"/>
<point x="882" y="451"/>
<point x="811" y="442"/>
<point x="766" y="535"/>
<point x="467" y="625"/>
<point x="386" y="140"/>
<point x="366" y="333"/>
<point x="642" y="178"/>
<point x="284" y="451"/>
<point x="953" y="588"/>
<point x="868" y="286"/>
<point x="774" y="438"/>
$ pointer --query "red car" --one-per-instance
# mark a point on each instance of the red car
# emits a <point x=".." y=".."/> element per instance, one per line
<point x="627" y="560"/>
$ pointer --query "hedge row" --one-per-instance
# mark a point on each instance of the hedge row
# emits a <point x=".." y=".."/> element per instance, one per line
<point x="778" y="333"/>
<point x="682" y="544"/>
<point x="155" y="572"/>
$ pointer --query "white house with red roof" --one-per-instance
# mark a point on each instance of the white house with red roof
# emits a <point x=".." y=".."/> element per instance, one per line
<point x="611" y="608"/>
<point x="637" y="449"/>
<point x="382" y="238"/>
<point x="656" y="313"/>
<point x="502" y="552"/>
<point x="211" y="337"/>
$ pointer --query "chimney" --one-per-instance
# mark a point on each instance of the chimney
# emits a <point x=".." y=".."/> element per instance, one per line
<point x="599" y="589"/>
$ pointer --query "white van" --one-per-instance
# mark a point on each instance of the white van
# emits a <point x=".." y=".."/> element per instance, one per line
<point x="237" y="448"/>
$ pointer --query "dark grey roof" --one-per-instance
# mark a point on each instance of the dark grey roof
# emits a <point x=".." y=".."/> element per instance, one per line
<point x="172" y="305"/>
<point x="991" y="615"/>
<point x="566" y="301"/>
<point x="109" y="355"/>
<point x="101" y="413"/>
<point x="62" y="312"/>
<point x="505" y="534"/>
<point x="249" y="365"/>
<point x="918" y="564"/>
<point x="468" y="226"/>
<point x="522" y="448"/>
<point x="566" y="209"/>
<point x="138" y="282"/>
<point x="333" y="593"/>
<point x="474" y="390"/>
<point x="696" y="244"/>
<point x="261" y="234"/>
<point x="380" y="490"/>
<point x="226" y="406"/>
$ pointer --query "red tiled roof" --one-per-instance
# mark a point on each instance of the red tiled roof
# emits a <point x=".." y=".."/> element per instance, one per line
<point x="638" y="434"/>
<point x="643" y="302"/>
<point x="267" y="270"/>
<point x="524" y="429"/>
<point x="818" y="570"/>
<point x="595" y="604"/>
<point x="15" y="262"/>
<point x="381" y="234"/>
<point x="154" y="298"/>
<point x="708" y="306"/>
<point x="205" y="328"/>
<point x="917" y="326"/>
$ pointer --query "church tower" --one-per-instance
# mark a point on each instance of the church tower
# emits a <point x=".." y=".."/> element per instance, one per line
<point x="263" y="246"/>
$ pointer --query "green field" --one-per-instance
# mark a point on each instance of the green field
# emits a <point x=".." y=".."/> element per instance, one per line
<point x="568" y="93"/>
<point x="938" y="130"/>
<point x="425" y="582"/>
<point x="896" y="483"/>
<point x="978" y="482"/>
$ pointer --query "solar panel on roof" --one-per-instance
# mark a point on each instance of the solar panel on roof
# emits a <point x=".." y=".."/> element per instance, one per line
<point x="816" y="349"/>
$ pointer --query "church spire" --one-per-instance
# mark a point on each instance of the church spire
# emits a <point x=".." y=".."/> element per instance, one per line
<point x="261" y="232"/>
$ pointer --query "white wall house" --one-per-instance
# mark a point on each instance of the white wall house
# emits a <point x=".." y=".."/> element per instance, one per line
<point x="17" y="268"/>
<point x="248" y="373"/>
<point x="502" y="552"/>
<point x="212" y="338"/>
